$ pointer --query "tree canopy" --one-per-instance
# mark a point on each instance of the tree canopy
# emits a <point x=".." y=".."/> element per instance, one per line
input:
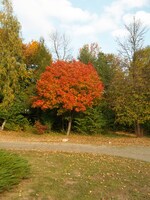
<point x="68" y="87"/>
<point x="129" y="91"/>
<point x="12" y="68"/>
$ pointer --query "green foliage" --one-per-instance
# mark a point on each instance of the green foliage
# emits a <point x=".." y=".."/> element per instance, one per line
<point x="37" y="57"/>
<point x="108" y="115"/>
<point x="129" y="94"/>
<point x="14" y="114"/>
<point x="131" y="91"/>
<point x="88" y="53"/>
<point x="105" y="65"/>
<point x="17" y="123"/>
<point x="91" y="121"/>
<point x="12" y="68"/>
<point x="48" y="117"/>
<point x="13" y="73"/>
<point x="12" y="169"/>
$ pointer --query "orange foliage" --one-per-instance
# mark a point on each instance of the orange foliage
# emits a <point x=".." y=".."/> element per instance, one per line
<point x="68" y="86"/>
<point x="30" y="49"/>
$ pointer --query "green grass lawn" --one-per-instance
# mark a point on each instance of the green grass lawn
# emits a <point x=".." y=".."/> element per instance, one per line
<point x="66" y="176"/>
<point x="13" y="168"/>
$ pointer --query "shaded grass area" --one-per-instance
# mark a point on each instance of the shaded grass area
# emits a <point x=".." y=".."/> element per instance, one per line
<point x="13" y="169"/>
<point x="66" y="176"/>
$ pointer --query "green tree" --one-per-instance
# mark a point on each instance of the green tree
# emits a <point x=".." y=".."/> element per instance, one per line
<point x="36" y="57"/>
<point x="12" y="68"/>
<point x="129" y="92"/>
<point x="92" y="121"/>
<point x="105" y="65"/>
<point x="88" y="53"/>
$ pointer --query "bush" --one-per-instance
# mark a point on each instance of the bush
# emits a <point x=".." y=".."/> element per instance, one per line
<point x="12" y="169"/>
<point x="40" y="128"/>
<point x="17" y="123"/>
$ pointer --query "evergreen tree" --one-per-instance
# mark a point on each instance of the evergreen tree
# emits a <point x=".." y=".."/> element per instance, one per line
<point x="105" y="65"/>
<point x="92" y="121"/>
<point x="12" y="68"/>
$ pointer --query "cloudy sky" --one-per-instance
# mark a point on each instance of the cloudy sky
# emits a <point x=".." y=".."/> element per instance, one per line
<point x="84" y="21"/>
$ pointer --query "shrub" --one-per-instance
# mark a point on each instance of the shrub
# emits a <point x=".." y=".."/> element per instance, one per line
<point x="17" y="123"/>
<point x="13" y="168"/>
<point x="40" y="128"/>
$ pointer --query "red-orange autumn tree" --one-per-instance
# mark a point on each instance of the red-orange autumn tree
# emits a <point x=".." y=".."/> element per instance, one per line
<point x="69" y="87"/>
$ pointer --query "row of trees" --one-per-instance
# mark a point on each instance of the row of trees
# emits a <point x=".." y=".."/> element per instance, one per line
<point x="72" y="91"/>
<point x="19" y="68"/>
<point x="126" y="80"/>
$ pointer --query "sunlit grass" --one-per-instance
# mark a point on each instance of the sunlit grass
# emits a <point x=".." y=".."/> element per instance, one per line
<point x="107" y="139"/>
<point x="66" y="176"/>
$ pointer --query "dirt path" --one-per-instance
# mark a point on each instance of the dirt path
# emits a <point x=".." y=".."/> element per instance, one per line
<point x="135" y="152"/>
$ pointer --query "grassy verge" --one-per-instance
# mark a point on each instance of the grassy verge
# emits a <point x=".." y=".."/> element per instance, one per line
<point x="12" y="169"/>
<point x="108" y="139"/>
<point x="65" y="176"/>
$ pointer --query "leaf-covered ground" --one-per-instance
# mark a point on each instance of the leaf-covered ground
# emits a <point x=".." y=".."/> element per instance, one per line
<point x="113" y="139"/>
<point x="66" y="176"/>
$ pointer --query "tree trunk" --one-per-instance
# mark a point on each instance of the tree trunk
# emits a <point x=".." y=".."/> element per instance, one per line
<point x="69" y="125"/>
<point x="3" y="125"/>
<point x="138" y="129"/>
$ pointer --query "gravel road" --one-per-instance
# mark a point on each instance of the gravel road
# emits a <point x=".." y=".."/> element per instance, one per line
<point x="135" y="152"/>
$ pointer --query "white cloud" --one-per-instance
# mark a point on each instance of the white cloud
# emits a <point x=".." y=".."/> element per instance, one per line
<point x="143" y="16"/>
<point x="41" y="17"/>
<point x="104" y="24"/>
<point x="118" y="7"/>
<point x="133" y="3"/>
<point x="64" y="11"/>
<point x="98" y="26"/>
<point x="120" y="11"/>
<point x="59" y="9"/>
<point x="33" y="20"/>
<point x="38" y="17"/>
<point x="119" y="33"/>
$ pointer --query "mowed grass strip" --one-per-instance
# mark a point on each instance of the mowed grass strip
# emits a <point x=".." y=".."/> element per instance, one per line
<point x="66" y="176"/>
<point x="13" y="168"/>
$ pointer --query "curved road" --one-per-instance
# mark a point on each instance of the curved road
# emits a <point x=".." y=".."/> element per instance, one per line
<point x="135" y="152"/>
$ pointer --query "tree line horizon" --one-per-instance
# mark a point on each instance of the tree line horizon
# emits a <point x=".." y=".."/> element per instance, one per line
<point x="43" y="90"/>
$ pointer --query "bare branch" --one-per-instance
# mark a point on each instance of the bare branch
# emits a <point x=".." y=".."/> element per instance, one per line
<point x="135" y="39"/>
<point x="60" y="46"/>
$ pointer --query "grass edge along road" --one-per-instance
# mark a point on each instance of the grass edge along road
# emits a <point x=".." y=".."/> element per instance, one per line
<point x="118" y="138"/>
<point x="71" y="176"/>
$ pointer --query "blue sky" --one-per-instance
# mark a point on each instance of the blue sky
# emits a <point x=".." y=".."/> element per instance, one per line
<point x="84" y="21"/>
